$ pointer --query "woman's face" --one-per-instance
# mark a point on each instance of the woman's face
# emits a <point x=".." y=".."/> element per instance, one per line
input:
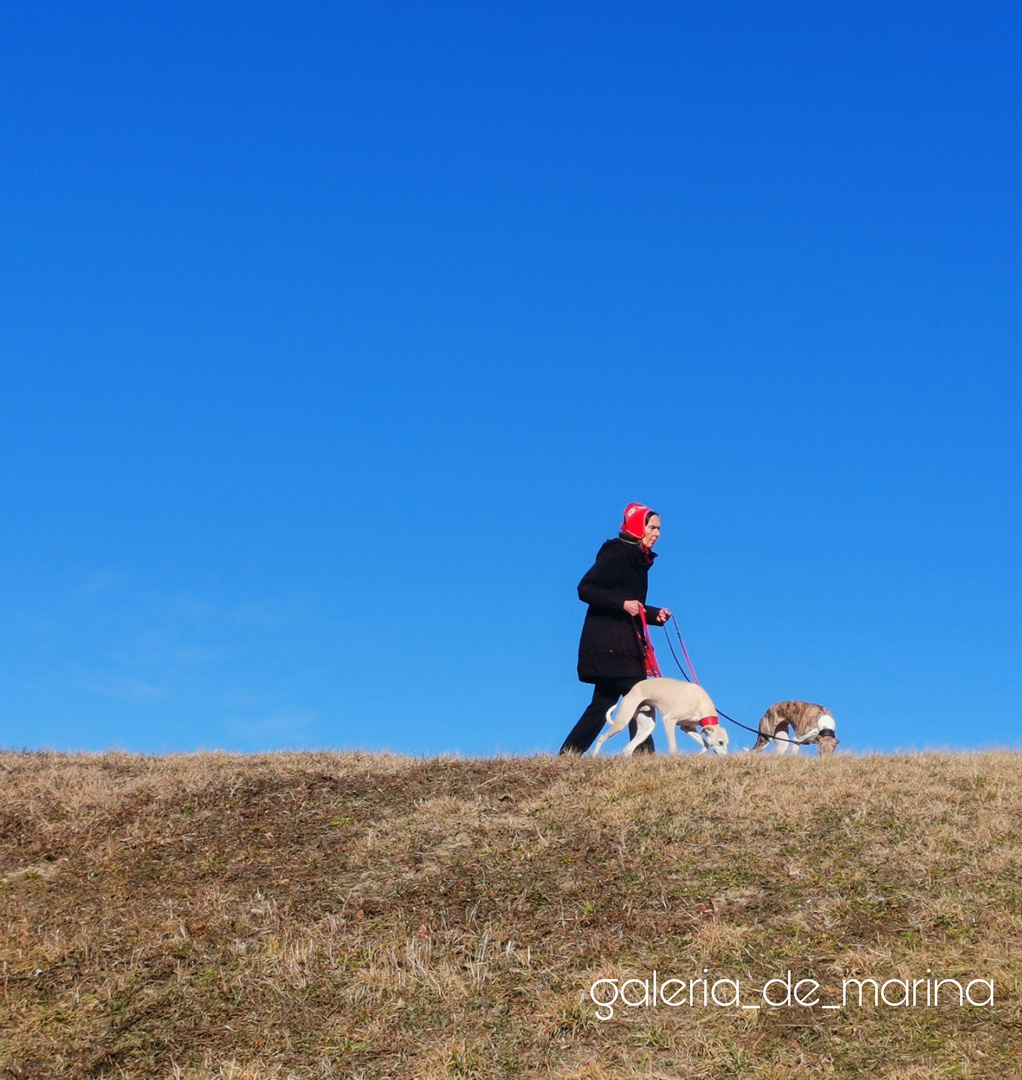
<point x="649" y="537"/>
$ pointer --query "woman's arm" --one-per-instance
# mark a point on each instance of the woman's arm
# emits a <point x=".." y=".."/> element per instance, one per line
<point x="600" y="587"/>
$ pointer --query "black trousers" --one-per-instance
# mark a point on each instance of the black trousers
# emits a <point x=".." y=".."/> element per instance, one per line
<point x="590" y="723"/>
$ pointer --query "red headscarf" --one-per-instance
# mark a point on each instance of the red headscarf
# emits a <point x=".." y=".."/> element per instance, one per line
<point x="636" y="516"/>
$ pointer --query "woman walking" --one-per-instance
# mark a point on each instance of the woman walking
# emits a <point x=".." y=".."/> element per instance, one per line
<point x="612" y="649"/>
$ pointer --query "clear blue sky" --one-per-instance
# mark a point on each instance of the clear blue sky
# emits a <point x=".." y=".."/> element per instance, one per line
<point x="336" y="337"/>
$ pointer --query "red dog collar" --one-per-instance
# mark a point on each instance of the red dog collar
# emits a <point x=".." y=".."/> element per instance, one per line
<point x="708" y="721"/>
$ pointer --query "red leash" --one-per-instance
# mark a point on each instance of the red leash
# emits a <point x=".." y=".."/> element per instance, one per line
<point x="652" y="667"/>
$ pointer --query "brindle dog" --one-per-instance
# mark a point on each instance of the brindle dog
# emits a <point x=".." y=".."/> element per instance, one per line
<point x="796" y="723"/>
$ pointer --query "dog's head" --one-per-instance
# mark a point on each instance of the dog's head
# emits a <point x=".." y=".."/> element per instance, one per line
<point x="827" y="740"/>
<point x="826" y="743"/>
<point x="715" y="738"/>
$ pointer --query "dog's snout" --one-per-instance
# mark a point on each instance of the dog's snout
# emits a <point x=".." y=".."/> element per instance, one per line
<point x="826" y="744"/>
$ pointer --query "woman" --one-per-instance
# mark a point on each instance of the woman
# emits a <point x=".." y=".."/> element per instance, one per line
<point x="612" y="650"/>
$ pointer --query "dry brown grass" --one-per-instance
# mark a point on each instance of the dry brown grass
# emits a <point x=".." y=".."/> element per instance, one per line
<point x="353" y="915"/>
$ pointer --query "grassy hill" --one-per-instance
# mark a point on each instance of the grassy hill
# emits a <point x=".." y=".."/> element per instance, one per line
<point x="354" y="915"/>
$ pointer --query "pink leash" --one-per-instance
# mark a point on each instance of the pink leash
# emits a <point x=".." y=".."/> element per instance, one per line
<point x="652" y="667"/>
<point x="688" y="659"/>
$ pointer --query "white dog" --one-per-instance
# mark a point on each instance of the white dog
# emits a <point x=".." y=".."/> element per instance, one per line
<point x="685" y="704"/>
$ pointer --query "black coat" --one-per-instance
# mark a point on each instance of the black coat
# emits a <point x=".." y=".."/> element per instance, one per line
<point x="611" y="645"/>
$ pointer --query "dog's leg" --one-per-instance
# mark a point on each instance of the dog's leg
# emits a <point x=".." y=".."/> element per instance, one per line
<point x="783" y="739"/>
<point x="644" y="724"/>
<point x="649" y="711"/>
<point x="763" y="739"/>
<point x="669" y="722"/>
<point x="698" y="738"/>
<point x="613" y="726"/>
<point x="767" y="728"/>
<point x="604" y="736"/>
<point x="796" y="740"/>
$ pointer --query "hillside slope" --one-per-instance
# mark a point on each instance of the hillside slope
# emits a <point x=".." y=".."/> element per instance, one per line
<point x="325" y="915"/>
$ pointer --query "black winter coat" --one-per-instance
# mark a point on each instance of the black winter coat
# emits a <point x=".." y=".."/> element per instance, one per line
<point x="611" y="644"/>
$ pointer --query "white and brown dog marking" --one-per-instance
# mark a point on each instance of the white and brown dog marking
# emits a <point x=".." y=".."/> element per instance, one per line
<point x="796" y="723"/>
<point x="682" y="704"/>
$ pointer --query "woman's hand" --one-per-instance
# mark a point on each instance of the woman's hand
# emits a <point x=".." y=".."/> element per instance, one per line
<point x="633" y="607"/>
<point x="662" y="616"/>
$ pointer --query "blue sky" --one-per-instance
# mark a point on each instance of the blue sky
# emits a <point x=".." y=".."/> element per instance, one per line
<point x="335" y="339"/>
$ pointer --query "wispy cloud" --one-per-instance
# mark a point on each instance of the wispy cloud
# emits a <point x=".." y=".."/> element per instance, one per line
<point x="101" y="580"/>
<point x="288" y="720"/>
<point x="127" y="690"/>
<point x="247" y="613"/>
